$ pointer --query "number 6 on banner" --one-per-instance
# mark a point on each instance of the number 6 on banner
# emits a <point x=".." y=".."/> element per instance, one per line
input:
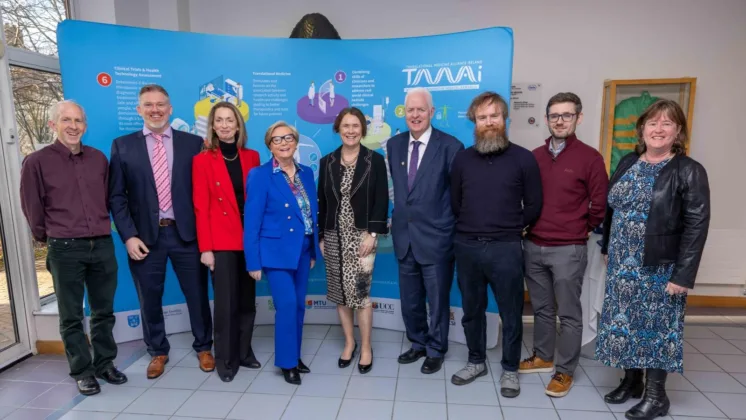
<point x="104" y="79"/>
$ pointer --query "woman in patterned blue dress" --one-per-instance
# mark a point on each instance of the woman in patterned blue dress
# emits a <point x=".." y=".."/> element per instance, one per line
<point x="654" y="233"/>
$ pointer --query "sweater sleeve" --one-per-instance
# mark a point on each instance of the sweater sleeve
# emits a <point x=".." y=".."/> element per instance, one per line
<point x="598" y="184"/>
<point x="456" y="184"/>
<point x="532" y="190"/>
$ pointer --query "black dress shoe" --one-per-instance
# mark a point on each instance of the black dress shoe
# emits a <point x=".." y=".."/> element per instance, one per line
<point x="366" y="368"/>
<point x="251" y="362"/>
<point x="411" y="356"/>
<point x="431" y="365"/>
<point x="88" y="386"/>
<point x="292" y="376"/>
<point x="302" y="368"/>
<point x="112" y="376"/>
<point x="226" y="376"/>
<point x="342" y="363"/>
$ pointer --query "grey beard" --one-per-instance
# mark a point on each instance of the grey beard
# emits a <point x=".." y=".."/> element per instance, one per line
<point x="486" y="146"/>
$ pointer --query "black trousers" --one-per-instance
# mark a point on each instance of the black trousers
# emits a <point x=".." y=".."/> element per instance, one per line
<point x="77" y="265"/>
<point x="499" y="265"/>
<point x="235" y="310"/>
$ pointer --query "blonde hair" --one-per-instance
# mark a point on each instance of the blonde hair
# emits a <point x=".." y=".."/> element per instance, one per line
<point x="212" y="141"/>
<point x="273" y="127"/>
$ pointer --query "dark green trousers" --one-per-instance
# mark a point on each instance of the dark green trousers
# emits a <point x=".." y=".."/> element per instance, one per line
<point x="77" y="265"/>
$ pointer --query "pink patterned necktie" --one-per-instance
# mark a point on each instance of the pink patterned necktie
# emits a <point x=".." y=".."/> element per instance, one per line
<point x="160" y="173"/>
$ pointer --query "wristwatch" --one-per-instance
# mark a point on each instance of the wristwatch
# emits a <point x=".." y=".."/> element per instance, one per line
<point x="373" y="234"/>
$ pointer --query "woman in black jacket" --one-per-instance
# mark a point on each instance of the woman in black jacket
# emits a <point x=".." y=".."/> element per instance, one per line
<point x="655" y="230"/>
<point x="353" y="205"/>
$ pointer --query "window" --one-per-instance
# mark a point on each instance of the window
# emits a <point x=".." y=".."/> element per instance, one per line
<point x="32" y="24"/>
<point x="30" y="28"/>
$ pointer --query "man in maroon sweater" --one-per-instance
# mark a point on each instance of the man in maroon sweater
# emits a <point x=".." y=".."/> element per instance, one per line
<point x="574" y="184"/>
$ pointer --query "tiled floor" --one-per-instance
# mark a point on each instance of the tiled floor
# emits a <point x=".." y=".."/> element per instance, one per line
<point x="713" y="386"/>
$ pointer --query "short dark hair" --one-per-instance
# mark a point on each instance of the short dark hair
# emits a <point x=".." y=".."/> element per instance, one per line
<point x="352" y="111"/>
<point x="673" y="111"/>
<point x="563" y="97"/>
<point x="487" y="98"/>
<point x="153" y="88"/>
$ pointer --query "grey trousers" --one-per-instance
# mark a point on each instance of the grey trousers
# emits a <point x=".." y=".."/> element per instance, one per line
<point x="554" y="277"/>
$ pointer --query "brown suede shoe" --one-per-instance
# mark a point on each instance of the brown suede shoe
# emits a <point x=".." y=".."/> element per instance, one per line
<point x="157" y="366"/>
<point x="560" y="385"/>
<point x="206" y="361"/>
<point x="535" y="364"/>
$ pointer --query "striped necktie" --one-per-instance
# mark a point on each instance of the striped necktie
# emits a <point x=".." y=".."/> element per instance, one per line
<point x="160" y="173"/>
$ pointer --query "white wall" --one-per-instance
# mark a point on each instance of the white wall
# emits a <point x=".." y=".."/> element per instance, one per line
<point x="567" y="46"/>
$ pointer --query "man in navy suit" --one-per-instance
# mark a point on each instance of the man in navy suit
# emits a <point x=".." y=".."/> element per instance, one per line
<point x="150" y="195"/>
<point x="423" y="228"/>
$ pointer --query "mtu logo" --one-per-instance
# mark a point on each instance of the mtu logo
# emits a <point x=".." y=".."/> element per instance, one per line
<point x="133" y="321"/>
<point x="317" y="304"/>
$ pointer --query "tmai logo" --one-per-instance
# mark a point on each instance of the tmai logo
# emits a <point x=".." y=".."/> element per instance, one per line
<point x="385" y="308"/>
<point x="452" y="75"/>
<point x="317" y="304"/>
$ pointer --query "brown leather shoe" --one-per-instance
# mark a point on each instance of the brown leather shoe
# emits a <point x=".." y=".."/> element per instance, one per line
<point x="206" y="361"/>
<point x="560" y="385"/>
<point x="157" y="366"/>
<point x="535" y="364"/>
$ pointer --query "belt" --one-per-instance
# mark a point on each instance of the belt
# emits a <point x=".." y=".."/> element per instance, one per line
<point x="84" y="238"/>
<point x="166" y="222"/>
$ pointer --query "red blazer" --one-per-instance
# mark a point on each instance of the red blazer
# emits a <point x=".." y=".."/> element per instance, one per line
<point x="219" y="225"/>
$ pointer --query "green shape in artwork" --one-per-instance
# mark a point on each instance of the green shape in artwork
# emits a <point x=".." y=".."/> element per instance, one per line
<point x="625" y="117"/>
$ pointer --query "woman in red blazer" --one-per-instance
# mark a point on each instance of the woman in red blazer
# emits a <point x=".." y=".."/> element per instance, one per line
<point x="219" y="177"/>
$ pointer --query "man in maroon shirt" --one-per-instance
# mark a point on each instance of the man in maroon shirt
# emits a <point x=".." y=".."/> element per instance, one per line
<point x="64" y="198"/>
<point x="574" y="184"/>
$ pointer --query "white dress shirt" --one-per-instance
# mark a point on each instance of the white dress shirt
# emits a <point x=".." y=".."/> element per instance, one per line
<point x="424" y="139"/>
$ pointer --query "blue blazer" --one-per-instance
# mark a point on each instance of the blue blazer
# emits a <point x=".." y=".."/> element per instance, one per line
<point x="273" y="222"/>
<point x="422" y="219"/>
<point x="132" y="195"/>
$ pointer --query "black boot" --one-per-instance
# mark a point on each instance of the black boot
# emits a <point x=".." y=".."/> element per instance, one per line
<point x="630" y="387"/>
<point x="655" y="403"/>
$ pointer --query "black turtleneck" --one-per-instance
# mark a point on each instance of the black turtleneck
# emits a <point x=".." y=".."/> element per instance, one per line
<point x="230" y="151"/>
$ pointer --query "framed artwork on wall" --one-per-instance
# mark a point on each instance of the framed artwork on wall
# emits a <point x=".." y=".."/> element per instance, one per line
<point x="625" y="100"/>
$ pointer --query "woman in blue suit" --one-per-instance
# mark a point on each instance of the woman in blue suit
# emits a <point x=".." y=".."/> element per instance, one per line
<point x="280" y="238"/>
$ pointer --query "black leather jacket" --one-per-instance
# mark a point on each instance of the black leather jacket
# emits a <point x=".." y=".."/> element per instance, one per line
<point x="679" y="218"/>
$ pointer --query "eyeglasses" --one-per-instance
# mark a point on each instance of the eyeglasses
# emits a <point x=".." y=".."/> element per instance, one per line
<point x="566" y="117"/>
<point x="288" y="138"/>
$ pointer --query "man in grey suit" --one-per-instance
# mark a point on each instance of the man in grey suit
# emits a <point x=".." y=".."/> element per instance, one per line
<point x="423" y="228"/>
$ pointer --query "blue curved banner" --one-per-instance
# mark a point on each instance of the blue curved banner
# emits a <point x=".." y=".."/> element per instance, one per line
<point x="304" y="82"/>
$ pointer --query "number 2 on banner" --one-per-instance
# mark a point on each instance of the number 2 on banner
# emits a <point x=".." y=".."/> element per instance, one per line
<point x="104" y="79"/>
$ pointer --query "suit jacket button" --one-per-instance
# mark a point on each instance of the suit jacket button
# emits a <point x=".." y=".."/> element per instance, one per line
<point x="289" y="217"/>
<point x="217" y="183"/>
<point x="291" y="229"/>
<point x="287" y="205"/>
<point x="225" y="214"/>
<point x="220" y="198"/>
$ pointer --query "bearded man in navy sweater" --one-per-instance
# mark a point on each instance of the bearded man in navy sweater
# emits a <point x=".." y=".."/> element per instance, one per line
<point x="574" y="182"/>
<point x="495" y="195"/>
